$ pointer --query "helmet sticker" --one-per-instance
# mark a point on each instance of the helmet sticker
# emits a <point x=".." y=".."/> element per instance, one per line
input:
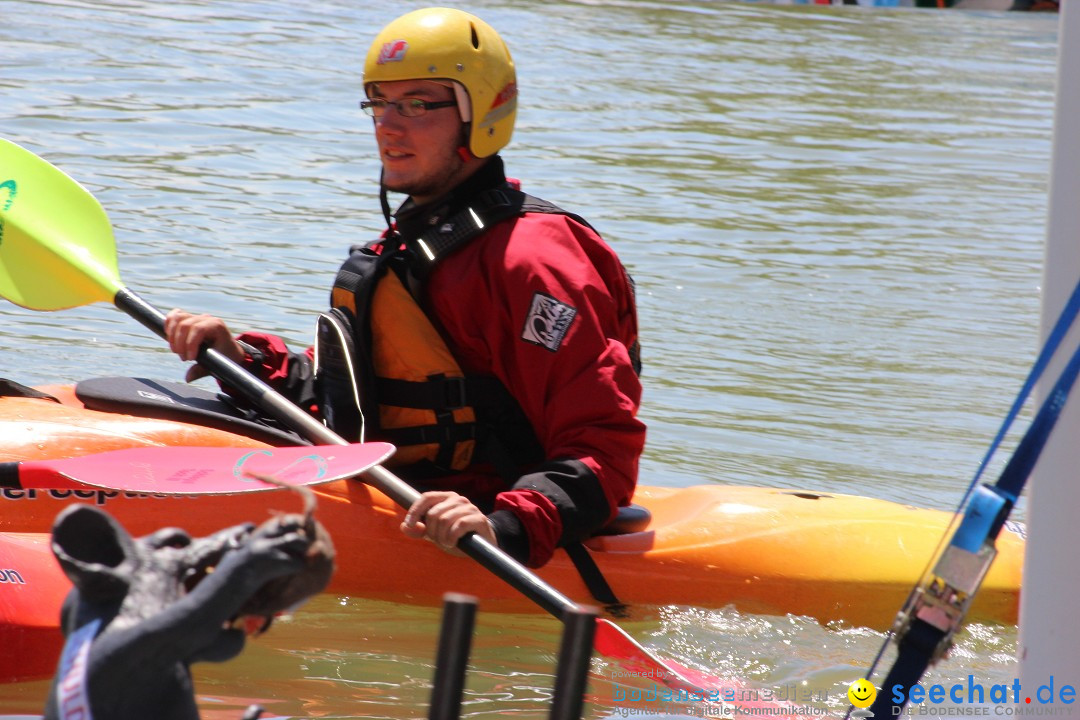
<point x="504" y="104"/>
<point x="548" y="322"/>
<point x="496" y="114"/>
<point x="507" y="94"/>
<point x="393" y="51"/>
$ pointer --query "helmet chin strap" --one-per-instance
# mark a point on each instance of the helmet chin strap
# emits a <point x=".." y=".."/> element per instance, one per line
<point x="385" y="202"/>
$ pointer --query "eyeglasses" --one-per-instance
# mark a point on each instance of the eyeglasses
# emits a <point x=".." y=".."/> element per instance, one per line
<point x="409" y="107"/>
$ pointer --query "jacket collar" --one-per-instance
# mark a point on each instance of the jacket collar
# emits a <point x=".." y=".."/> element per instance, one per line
<point x="412" y="220"/>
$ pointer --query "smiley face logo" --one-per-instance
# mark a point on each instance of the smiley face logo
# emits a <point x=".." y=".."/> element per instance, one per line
<point x="861" y="693"/>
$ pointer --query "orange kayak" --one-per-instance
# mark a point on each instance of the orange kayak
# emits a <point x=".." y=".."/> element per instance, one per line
<point x="829" y="556"/>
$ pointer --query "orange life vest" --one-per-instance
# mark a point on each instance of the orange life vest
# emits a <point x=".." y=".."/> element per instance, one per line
<point x="408" y="355"/>
<point x="384" y="372"/>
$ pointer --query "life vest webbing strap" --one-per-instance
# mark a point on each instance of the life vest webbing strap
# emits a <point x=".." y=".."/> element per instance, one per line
<point x="490" y="208"/>
<point x="440" y="433"/>
<point x="347" y="280"/>
<point x="440" y="392"/>
<point x="444" y="421"/>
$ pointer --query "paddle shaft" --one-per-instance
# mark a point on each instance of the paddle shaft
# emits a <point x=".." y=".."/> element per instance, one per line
<point x="273" y="402"/>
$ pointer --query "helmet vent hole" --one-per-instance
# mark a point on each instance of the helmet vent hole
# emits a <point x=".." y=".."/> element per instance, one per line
<point x="475" y="38"/>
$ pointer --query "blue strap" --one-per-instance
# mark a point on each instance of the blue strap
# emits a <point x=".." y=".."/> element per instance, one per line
<point x="1020" y="465"/>
<point x="1053" y="340"/>
<point x="989" y="507"/>
<point x="980" y="518"/>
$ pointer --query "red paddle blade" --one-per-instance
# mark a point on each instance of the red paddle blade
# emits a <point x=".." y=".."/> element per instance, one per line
<point x="613" y="643"/>
<point x="202" y="470"/>
<point x="700" y="689"/>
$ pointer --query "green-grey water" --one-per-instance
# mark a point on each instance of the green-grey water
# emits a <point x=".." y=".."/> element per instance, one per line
<point x="835" y="218"/>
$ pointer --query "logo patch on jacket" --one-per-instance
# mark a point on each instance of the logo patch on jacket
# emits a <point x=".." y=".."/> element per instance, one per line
<point x="547" y="322"/>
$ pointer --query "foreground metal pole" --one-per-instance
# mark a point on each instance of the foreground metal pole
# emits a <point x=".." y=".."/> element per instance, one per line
<point x="575" y="654"/>
<point x="455" y="641"/>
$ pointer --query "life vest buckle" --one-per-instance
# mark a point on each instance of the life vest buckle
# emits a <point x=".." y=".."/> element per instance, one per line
<point x="444" y="431"/>
<point x="454" y="393"/>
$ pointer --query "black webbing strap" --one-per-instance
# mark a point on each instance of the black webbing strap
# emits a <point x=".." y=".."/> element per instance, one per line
<point x="440" y="392"/>
<point x="594" y="580"/>
<point x="429" y="434"/>
<point x="492" y="207"/>
<point x="9" y="476"/>
<point x="10" y="388"/>
<point x="917" y="648"/>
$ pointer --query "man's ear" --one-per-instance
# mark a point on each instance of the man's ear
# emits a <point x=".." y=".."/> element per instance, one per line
<point x="95" y="552"/>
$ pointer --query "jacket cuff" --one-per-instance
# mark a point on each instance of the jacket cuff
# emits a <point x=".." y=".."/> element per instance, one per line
<point x="266" y="356"/>
<point x="510" y="534"/>
<point x="575" y="491"/>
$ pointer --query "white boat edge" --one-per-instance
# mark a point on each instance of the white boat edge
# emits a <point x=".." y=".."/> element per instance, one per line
<point x="1049" y="632"/>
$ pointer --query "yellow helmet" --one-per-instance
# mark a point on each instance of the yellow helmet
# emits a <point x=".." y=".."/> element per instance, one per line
<point x="446" y="44"/>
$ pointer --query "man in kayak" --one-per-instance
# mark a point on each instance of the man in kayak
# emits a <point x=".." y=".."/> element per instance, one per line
<point x="488" y="334"/>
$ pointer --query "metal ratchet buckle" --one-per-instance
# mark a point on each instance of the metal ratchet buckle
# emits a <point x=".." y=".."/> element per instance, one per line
<point x="943" y="598"/>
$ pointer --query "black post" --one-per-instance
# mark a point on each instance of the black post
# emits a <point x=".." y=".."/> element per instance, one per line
<point x="455" y="641"/>
<point x="572" y="672"/>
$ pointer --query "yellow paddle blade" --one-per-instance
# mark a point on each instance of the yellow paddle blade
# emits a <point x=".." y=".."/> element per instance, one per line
<point x="56" y="244"/>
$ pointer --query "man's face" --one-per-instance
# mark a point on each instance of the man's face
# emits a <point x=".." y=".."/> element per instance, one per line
<point x="419" y="154"/>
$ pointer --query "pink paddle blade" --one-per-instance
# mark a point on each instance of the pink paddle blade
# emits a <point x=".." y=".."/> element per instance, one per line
<point x="201" y="470"/>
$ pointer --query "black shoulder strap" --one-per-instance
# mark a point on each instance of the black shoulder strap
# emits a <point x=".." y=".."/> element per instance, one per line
<point x="490" y="208"/>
